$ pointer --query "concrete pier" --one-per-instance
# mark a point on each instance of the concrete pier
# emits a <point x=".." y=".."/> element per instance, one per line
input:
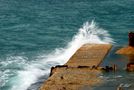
<point x="81" y="72"/>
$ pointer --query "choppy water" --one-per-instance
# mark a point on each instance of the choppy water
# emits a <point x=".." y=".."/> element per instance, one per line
<point x="35" y="35"/>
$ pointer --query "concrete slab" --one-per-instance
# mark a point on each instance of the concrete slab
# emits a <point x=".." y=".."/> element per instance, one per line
<point x="89" y="55"/>
<point x="74" y="77"/>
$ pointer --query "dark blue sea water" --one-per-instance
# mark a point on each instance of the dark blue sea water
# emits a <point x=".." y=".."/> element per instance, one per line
<point x="37" y="34"/>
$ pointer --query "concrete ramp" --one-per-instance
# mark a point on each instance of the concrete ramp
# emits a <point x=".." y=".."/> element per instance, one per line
<point x="77" y="73"/>
<point x="89" y="55"/>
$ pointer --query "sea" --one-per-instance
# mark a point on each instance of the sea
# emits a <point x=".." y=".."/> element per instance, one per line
<point x="38" y="34"/>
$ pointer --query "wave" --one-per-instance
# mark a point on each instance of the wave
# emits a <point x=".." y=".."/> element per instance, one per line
<point x="89" y="33"/>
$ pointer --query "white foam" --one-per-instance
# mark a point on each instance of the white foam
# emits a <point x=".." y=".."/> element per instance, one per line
<point x="89" y="33"/>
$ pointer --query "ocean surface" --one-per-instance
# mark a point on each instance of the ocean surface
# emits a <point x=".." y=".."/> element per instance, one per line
<point x="38" y="34"/>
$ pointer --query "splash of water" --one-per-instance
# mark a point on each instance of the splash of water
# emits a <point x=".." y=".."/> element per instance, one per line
<point x="89" y="33"/>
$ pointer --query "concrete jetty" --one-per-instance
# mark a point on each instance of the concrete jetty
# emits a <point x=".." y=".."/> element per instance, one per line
<point x="89" y="55"/>
<point x="81" y="72"/>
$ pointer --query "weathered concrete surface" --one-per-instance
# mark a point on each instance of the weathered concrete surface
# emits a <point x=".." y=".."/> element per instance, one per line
<point x="72" y="79"/>
<point x="89" y="55"/>
<point x="82" y="78"/>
